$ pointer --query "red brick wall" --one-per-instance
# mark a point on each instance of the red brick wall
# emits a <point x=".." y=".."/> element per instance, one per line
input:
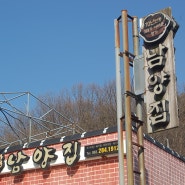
<point x="162" y="168"/>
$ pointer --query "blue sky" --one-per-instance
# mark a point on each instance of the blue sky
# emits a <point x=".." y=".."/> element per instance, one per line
<point x="50" y="45"/>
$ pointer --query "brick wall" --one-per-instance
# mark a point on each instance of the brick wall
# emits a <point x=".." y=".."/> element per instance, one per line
<point x="163" y="167"/>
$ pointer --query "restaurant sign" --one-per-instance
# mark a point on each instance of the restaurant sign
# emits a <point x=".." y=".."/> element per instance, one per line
<point x="101" y="149"/>
<point x="45" y="156"/>
<point x="154" y="27"/>
<point x="158" y="32"/>
<point x="42" y="157"/>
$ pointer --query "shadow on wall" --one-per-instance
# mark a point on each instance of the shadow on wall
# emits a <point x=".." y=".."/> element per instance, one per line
<point x="18" y="178"/>
<point x="136" y="169"/>
<point x="46" y="173"/>
<point x="72" y="170"/>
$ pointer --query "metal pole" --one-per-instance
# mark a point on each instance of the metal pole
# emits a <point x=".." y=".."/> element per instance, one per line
<point x="139" y="107"/>
<point x="30" y="122"/>
<point x="127" y="100"/>
<point x="119" y="103"/>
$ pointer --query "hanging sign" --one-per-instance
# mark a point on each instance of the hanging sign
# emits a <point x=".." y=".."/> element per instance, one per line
<point x="158" y="32"/>
<point x="154" y="27"/>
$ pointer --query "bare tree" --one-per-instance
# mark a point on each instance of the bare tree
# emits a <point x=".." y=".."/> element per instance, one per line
<point x="92" y="107"/>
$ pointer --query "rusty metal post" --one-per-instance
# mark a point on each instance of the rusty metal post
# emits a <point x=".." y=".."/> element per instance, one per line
<point x="128" y="122"/>
<point x="139" y="107"/>
<point x="119" y="104"/>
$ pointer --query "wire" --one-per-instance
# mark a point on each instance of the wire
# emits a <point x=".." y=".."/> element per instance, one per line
<point x="9" y="123"/>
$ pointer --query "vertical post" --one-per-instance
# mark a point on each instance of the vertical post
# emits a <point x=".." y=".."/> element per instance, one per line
<point x="119" y="103"/>
<point x="139" y="107"/>
<point x="30" y="122"/>
<point x="128" y="122"/>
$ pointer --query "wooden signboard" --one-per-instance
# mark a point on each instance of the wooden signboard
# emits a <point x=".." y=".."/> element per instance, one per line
<point x="158" y="31"/>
